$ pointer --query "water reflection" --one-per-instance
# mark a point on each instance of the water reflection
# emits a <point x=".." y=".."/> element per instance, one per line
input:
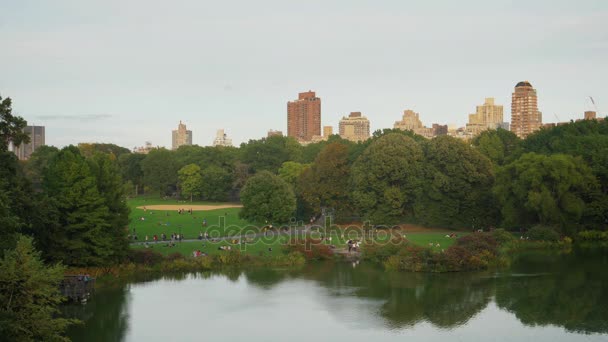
<point x="568" y="291"/>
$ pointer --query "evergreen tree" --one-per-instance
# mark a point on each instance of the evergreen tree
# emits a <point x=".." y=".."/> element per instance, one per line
<point x="78" y="235"/>
<point x="109" y="184"/>
<point x="29" y="295"/>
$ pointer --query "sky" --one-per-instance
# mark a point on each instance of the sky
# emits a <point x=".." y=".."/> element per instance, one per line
<point x="127" y="71"/>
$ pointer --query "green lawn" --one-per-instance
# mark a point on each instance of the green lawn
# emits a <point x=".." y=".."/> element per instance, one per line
<point x="220" y="222"/>
<point x="257" y="248"/>
<point x="226" y="222"/>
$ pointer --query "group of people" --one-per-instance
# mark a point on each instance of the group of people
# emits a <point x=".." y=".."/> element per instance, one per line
<point x="203" y="236"/>
<point x="181" y="211"/>
<point x="353" y="245"/>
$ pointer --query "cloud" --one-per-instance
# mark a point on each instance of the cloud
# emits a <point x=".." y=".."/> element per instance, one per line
<point x="84" y="117"/>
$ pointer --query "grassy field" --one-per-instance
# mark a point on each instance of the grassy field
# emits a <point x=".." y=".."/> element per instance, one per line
<point x="226" y="222"/>
<point x="220" y="222"/>
<point x="257" y="248"/>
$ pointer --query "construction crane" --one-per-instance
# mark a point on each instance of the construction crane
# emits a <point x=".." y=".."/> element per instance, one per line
<point x="594" y="105"/>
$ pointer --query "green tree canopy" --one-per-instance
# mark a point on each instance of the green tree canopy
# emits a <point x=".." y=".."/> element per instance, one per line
<point x="457" y="187"/>
<point x="160" y="170"/>
<point x="11" y="127"/>
<point x="551" y="190"/>
<point x="387" y="179"/>
<point x="216" y="184"/>
<point x="499" y="145"/>
<point x="131" y="169"/>
<point x="109" y="185"/>
<point x="268" y="154"/>
<point x="190" y="180"/>
<point x="29" y="295"/>
<point x="89" y="149"/>
<point x="78" y="231"/>
<point x="267" y="197"/>
<point x="328" y="182"/>
<point x="290" y="171"/>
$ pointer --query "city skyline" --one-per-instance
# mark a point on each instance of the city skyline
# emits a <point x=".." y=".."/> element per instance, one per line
<point x="72" y="67"/>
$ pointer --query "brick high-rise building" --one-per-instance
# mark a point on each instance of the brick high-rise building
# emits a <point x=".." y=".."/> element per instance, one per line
<point x="525" y="116"/>
<point x="37" y="137"/>
<point x="487" y="116"/>
<point x="355" y="127"/>
<point x="181" y="136"/>
<point x="304" y="116"/>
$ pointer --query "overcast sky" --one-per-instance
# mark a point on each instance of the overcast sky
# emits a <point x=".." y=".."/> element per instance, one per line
<point x="126" y="71"/>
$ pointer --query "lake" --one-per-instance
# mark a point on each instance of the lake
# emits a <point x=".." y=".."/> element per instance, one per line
<point x="541" y="297"/>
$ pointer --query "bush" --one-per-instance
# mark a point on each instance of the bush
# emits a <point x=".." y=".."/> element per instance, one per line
<point x="593" y="235"/>
<point x="543" y="233"/>
<point x="312" y="249"/>
<point x="478" y="242"/>
<point x="175" y="256"/>
<point x="145" y="257"/>
<point x="503" y="237"/>
<point x="380" y="251"/>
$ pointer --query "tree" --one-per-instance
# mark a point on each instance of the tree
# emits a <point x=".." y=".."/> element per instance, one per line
<point x="37" y="163"/>
<point x="328" y="184"/>
<point x="267" y="198"/>
<point x="268" y="154"/>
<point x="17" y="208"/>
<point x="77" y="231"/>
<point x="216" y="183"/>
<point x="549" y="190"/>
<point x="11" y="127"/>
<point x="190" y="180"/>
<point x="457" y="187"/>
<point x="160" y="170"/>
<point x="131" y="169"/>
<point x="290" y="171"/>
<point x="498" y="145"/>
<point x="387" y="179"/>
<point x="29" y="295"/>
<point x="89" y="149"/>
<point x="110" y="186"/>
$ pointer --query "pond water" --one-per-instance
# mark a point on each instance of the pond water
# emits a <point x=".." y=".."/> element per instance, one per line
<point x="541" y="297"/>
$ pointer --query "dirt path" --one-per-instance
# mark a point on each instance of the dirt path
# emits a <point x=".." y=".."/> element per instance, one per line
<point x="187" y="206"/>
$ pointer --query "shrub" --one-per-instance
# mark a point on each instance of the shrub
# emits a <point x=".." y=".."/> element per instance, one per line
<point x="175" y="256"/>
<point x="312" y="249"/>
<point x="543" y="233"/>
<point x="503" y="237"/>
<point x="380" y="251"/>
<point x="593" y="235"/>
<point x="145" y="257"/>
<point x="478" y="242"/>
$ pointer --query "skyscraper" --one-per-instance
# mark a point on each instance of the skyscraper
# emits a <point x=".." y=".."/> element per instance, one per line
<point x="525" y="117"/>
<point x="355" y="127"/>
<point x="181" y="136"/>
<point x="487" y="116"/>
<point x="304" y="116"/>
<point x="37" y="138"/>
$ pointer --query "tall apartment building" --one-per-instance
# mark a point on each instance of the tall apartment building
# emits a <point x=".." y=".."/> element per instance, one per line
<point x="181" y="136"/>
<point x="487" y="116"/>
<point x="525" y="116"/>
<point x="355" y="127"/>
<point x="221" y="139"/>
<point x="327" y="131"/>
<point x="37" y="138"/>
<point x="304" y="116"/>
<point x="410" y="121"/>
